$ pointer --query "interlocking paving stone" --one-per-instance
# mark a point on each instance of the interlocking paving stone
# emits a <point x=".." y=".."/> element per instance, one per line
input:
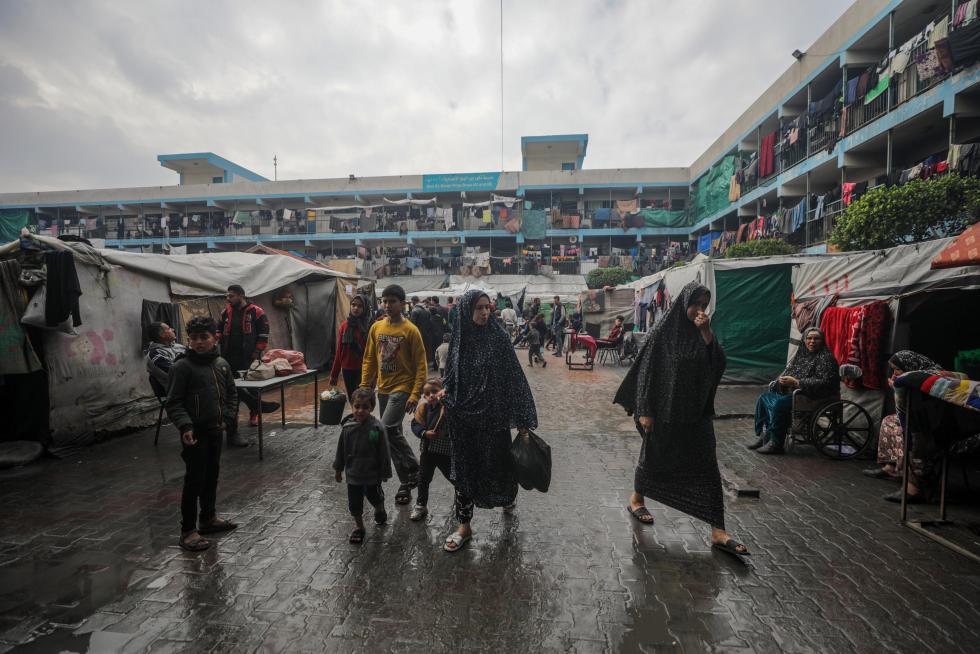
<point x="88" y="556"/>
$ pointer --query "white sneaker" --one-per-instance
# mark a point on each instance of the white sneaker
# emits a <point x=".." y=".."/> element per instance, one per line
<point x="418" y="513"/>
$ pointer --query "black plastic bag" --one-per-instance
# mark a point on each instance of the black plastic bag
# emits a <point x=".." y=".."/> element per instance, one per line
<point x="532" y="462"/>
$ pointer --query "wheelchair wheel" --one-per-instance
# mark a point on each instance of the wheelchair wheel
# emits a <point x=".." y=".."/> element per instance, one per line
<point x="841" y="429"/>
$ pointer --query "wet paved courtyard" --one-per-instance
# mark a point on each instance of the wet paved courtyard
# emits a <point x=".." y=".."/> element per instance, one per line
<point x="89" y="563"/>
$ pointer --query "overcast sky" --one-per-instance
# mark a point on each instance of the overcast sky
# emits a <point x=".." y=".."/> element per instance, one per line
<point x="91" y="92"/>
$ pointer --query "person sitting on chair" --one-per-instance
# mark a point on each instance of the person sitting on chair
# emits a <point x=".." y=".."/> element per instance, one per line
<point x="813" y="371"/>
<point x="163" y="352"/>
<point x="615" y="334"/>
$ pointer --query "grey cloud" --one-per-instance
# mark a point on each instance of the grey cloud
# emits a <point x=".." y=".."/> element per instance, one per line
<point x="377" y="88"/>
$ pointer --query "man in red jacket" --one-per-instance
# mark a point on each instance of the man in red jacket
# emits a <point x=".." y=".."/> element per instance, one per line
<point x="243" y="332"/>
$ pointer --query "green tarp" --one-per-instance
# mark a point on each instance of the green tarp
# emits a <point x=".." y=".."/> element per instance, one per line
<point x="664" y="218"/>
<point x="751" y="321"/>
<point x="533" y="224"/>
<point x="711" y="191"/>
<point x="11" y="222"/>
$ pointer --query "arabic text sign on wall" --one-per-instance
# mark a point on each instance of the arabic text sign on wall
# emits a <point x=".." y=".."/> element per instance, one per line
<point x="461" y="182"/>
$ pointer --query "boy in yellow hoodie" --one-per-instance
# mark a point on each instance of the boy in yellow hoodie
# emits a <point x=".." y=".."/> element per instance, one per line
<point x="395" y="362"/>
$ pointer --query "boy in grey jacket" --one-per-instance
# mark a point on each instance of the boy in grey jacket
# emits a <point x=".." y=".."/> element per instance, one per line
<point x="362" y="452"/>
<point x="201" y="402"/>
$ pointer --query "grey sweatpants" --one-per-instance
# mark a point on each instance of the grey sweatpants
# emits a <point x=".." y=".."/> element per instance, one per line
<point x="402" y="456"/>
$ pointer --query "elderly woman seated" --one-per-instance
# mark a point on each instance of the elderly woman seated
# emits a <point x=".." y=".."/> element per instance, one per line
<point x="813" y="371"/>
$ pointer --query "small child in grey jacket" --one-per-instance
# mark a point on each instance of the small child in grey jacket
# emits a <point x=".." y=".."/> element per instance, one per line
<point x="362" y="452"/>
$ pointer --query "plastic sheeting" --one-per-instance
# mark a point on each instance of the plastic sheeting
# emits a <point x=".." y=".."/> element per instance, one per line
<point x="566" y="287"/>
<point x="880" y="274"/>
<point x="751" y="320"/>
<point x="664" y="218"/>
<point x="534" y="224"/>
<point x="750" y="305"/>
<point x="417" y="285"/>
<point x="11" y="222"/>
<point x="711" y="193"/>
<point x="212" y="273"/>
<point x="97" y="379"/>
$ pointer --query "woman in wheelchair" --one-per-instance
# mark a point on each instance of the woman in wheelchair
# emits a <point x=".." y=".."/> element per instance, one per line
<point x="814" y="371"/>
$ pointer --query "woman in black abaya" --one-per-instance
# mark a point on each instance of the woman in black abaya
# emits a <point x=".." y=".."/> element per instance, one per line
<point x="671" y="390"/>
<point x="486" y="396"/>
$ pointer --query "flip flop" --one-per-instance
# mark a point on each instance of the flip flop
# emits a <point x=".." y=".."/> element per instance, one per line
<point x="404" y="495"/>
<point x="357" y="536"/>
<point x="731" y="547"/>
<point x="216" y="526"/>
<point x="194" y="544"/>
<point x="455" y="542"/>
<point x="639" y="513"/>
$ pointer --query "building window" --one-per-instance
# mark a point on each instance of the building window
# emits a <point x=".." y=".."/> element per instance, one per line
<point x="217" y="180"/>
<point x="568" y="166"/>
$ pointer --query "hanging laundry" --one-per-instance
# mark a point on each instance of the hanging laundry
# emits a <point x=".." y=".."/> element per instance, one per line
<point x="939" y="32"/>
<point x="487" y="216"/>
<point x="927" y="64"/>
<point x="964" y="44"/>
<point x="627" y="206"/>
<point x="799" y="215"/>
<point x="734" y="189"/>
<point x="945" y="55"/>
<point x="850" y="93"/>
<point x="847" y="192"/>
<point x="767" y="155"/>
<point x="880" y="88"/>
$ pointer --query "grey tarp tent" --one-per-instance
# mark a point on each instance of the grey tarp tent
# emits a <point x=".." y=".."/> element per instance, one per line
<point x="97" y="379"/>
<point x="750" y="308"/>
<point x="931" y="308"/>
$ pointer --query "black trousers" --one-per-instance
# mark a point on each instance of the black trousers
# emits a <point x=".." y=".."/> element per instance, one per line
<point x="352" y="379"/>
<point x="356" y="495"/>
<point x="534" y="352"/>
<point x="428" y="463"/>
<point x="240" y="362"/>
<point x="202" y="462"/>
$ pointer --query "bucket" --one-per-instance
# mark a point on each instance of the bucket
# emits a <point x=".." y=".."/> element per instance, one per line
<point x="332" y="410"/>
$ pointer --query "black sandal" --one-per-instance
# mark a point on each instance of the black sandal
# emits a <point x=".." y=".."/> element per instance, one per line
<point x="380" y="517"/>
<point x="193" y="542"/>
<point x="216" y="526"/>
<point x="731" y="547"/>
<point x="639" y="514"/>
<point x="357" y="536"/>
<point x="404" y="495"/>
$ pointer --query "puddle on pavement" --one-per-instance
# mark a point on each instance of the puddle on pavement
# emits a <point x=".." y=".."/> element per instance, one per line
<point x="65" y="592"/>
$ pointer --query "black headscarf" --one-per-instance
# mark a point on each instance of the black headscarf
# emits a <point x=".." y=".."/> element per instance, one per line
<point x="817" y="372"/>
<point x="675" y="375"/>
<point x="909" y="361"/>
<point x="485" y="384"/>
<point x="357" y="328"/>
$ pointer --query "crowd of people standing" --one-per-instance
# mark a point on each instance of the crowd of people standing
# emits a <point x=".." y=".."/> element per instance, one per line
<point x="455" y="371"/>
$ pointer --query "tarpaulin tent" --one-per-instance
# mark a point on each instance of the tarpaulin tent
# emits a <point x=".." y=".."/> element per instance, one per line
<point x="931" y="309"/>
<point x="97" y="379"/>
<point x="750" y="308"/>
<point x="421" y="285"/>
<point x="566" y="287"/>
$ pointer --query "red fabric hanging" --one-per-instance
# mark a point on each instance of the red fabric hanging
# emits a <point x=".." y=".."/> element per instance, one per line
<point x="767" y="155"/>
<point x="856" y="335"/>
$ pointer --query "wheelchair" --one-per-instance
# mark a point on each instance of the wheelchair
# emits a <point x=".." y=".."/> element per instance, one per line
<point x="838" y="428"/>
